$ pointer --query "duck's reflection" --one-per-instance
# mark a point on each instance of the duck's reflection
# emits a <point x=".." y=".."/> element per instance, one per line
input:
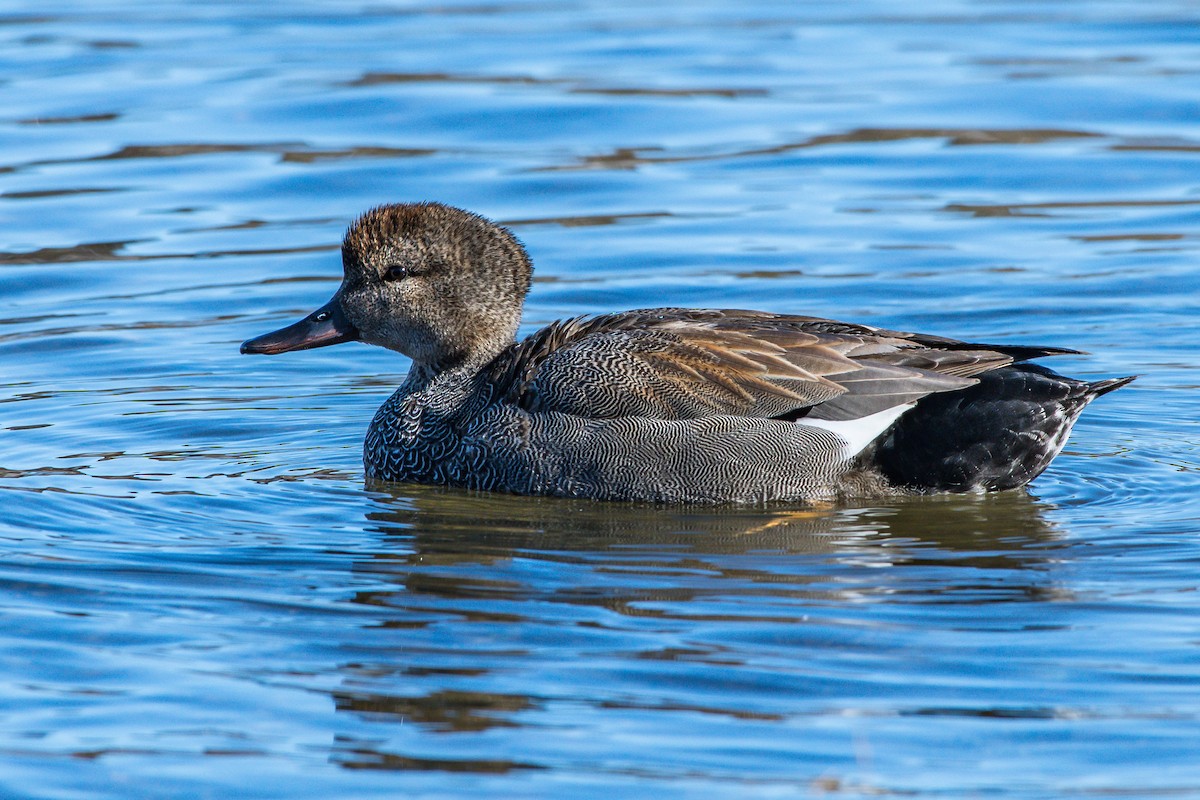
<point x="480" y="585"/>
<point x="649" y="560"/>
<point x="444" y="525"/>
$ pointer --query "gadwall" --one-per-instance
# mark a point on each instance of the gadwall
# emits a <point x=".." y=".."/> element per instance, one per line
<point x="666" y="404"/>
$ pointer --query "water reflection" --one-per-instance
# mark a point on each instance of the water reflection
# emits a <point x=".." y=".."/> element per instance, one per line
<point x="637" y="558"/>
<point x="364" y="754"/>
<point x="1047" y="209"/>
<point x="572" y="86"/>
<point x="70" y="120"/>
<point x="477" y="586"/>
<point x="90" y="252"/>
<point x="288" y="152"/>
<point x="446" y="711"/>
<point x="444" y="522"/>
<point x="634" y="157"/>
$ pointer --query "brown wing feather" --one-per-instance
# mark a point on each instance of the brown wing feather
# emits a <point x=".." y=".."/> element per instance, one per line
<point x="686" y="363"/>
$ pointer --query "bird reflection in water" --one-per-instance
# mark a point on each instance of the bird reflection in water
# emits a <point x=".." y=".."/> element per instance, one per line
<point x="477" y="586"/>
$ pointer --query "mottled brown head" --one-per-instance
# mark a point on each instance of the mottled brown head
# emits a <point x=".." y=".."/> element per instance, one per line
<point x="439" y="284"/>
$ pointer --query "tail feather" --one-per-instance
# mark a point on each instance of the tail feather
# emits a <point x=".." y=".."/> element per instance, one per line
<point x="1098" y="388"/>
<point x="998" y="434"/>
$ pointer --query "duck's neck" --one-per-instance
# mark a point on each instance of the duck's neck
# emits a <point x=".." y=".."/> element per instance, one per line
<point x="461" y="351"/>
<point x="445" y="371"/>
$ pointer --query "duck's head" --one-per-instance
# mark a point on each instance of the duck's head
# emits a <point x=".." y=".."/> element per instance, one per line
<point x="441" y="285"/>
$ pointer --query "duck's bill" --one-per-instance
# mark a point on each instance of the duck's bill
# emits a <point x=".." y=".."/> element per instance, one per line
<point x="325" y="326"/>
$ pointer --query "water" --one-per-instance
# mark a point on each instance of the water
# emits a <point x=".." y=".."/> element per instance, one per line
<point x="202" y="599"/>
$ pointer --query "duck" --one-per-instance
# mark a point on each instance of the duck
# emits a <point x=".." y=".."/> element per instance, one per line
<point x="666" y="405"/>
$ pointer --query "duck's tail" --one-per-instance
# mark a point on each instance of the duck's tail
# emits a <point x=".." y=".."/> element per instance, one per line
<point x="1107" y="385"/>
<point x="998" y="434"/>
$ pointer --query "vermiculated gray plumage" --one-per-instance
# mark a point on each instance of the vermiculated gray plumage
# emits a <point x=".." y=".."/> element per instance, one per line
<point x="668" y="404"/>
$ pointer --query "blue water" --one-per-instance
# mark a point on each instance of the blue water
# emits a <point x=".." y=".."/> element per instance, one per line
<point x="199" y="596"/>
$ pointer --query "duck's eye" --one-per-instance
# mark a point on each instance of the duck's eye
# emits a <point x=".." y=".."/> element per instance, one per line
<point x="321" y="316"/>
<point x="396" y="273"/>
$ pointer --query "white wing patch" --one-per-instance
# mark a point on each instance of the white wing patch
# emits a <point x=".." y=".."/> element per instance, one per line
<point x="858" y="433"/>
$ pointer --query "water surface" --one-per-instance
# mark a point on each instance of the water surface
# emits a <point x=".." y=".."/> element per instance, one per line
<point x="202" y="597"/>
